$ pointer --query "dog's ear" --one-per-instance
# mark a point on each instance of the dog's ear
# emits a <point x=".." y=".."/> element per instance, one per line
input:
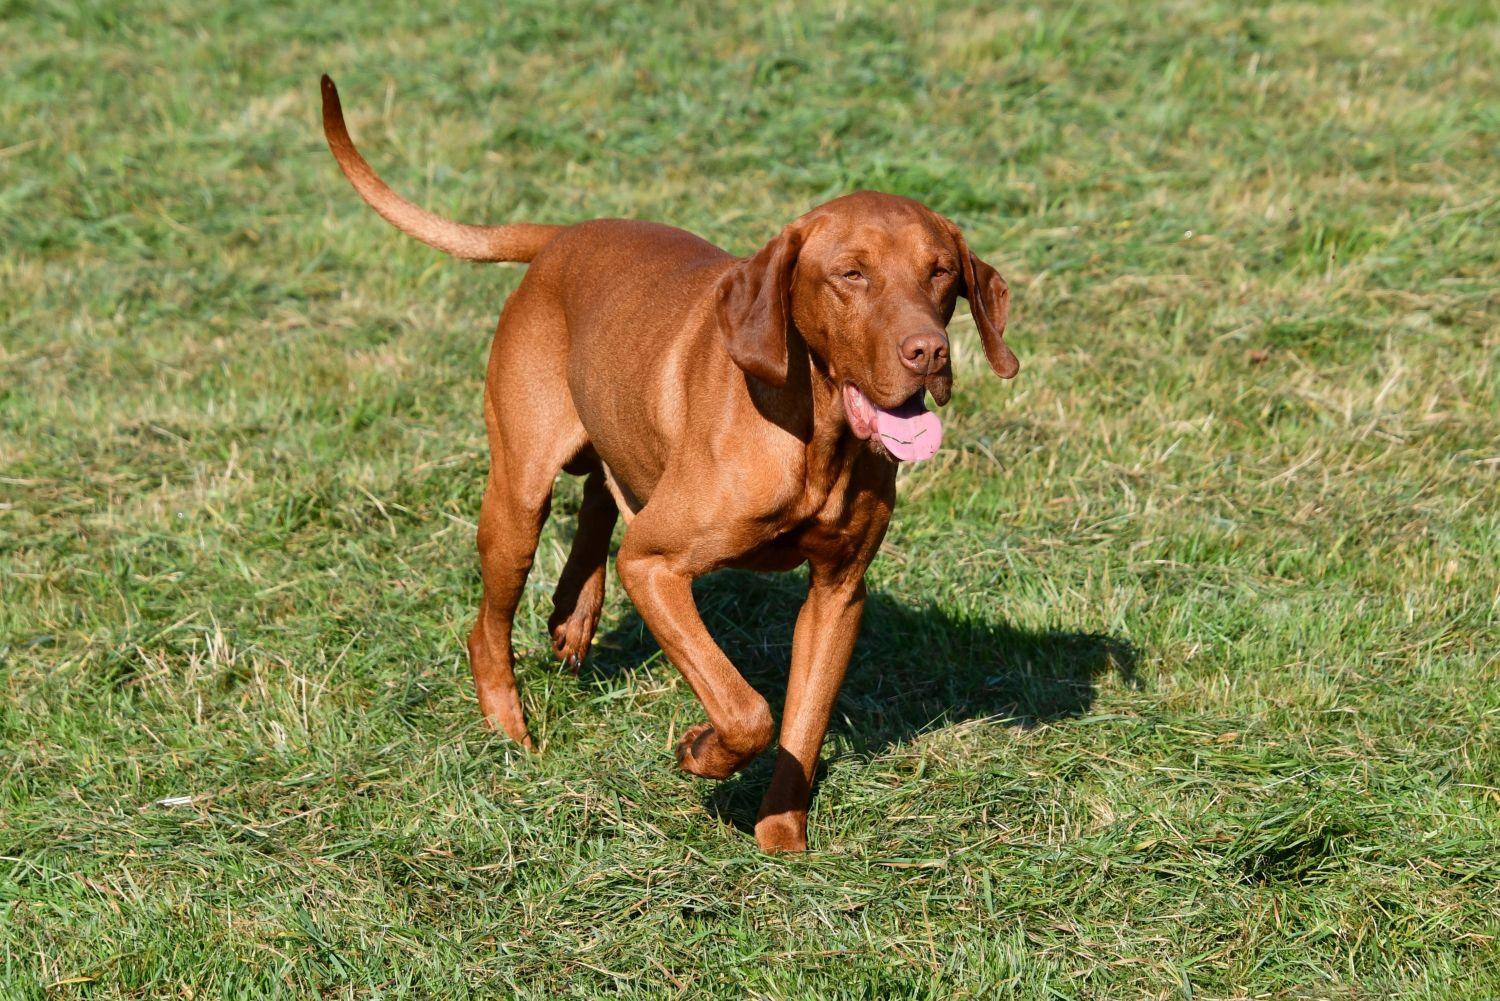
<point x="754" y="307"/>
<point x="989" y="302"/>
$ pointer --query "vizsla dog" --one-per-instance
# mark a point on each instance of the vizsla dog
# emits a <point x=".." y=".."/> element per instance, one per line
<point x="738" y="412"/>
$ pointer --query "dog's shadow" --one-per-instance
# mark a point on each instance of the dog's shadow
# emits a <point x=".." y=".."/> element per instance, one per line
<point x="914" y="670"/>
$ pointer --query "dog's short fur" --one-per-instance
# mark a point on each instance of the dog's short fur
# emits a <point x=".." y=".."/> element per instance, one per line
<point x="704" y="397"/>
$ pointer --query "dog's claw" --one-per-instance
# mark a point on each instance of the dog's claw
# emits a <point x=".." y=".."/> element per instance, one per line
<point x="571" y="638"/>
<point x="685" y="758"/>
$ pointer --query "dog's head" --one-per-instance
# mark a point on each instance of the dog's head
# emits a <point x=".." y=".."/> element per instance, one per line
<point x="869" y="281"/>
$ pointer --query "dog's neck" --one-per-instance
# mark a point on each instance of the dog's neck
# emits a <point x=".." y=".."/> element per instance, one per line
<point x="832" y="448"/>
<point x="811" y="407"/>
<point x="829" y="422"/>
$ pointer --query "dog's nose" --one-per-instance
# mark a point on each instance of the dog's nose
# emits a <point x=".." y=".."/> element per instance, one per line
<point x="924" y="353"/>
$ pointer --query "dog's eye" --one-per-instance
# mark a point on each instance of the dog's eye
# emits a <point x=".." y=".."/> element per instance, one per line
<point x="940" y="272"/>
<point x="853" y="275"/>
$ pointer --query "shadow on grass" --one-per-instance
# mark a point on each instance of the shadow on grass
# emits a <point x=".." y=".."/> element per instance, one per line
<point x="915" y="669"/>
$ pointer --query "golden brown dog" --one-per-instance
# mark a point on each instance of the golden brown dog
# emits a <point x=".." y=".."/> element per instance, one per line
<point x="738" y="412"/>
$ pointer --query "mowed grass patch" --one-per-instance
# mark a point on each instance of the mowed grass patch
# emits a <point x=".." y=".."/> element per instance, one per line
<point x="1180" y="669"/>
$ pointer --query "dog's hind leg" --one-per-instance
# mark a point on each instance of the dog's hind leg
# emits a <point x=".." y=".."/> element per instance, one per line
<point x="580" y="590"/>
<point x="533" y="431"/>
<point x="508" y="530"/>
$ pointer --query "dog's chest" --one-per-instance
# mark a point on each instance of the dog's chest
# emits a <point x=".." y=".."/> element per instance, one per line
<point x="841" y="509"/>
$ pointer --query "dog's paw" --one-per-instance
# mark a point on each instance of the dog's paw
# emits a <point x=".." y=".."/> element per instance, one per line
<point x="782" y="832"/>
<point x="507" y="717"/>
<point x="701" y="753"/>
<point x="572" y="636"/>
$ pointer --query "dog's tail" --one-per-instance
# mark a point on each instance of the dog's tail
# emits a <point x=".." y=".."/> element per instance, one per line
<point x="517" y="241"/>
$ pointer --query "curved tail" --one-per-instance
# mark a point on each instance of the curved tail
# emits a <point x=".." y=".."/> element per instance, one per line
<point x="518" y="241"/>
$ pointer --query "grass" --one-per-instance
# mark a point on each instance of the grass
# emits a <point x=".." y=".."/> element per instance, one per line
<point x="1180" y="674"/>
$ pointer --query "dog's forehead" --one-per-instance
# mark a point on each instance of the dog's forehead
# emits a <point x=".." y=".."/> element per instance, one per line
<point x="906" y="229"/>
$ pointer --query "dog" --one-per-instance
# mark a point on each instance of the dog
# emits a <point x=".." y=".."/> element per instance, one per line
<point x="736" y="412"/>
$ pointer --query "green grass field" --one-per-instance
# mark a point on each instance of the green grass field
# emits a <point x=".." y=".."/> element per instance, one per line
<point x="1181" y="676"/>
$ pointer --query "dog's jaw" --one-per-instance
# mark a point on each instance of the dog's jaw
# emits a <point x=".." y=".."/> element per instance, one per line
<point x="908" y="433"/>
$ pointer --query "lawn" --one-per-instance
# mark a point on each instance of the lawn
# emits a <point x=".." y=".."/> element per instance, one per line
<point x="1181" y="675"/>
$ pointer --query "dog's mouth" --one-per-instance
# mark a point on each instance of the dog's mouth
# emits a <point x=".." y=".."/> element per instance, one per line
<point x="909" y="431"/>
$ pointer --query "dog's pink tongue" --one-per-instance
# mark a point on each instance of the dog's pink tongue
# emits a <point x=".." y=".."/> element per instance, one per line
<point x="909" y="432"/>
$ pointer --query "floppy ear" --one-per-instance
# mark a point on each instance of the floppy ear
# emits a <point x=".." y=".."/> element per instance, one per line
<point x="989" y="302"/>
<point x="753" y="302"/>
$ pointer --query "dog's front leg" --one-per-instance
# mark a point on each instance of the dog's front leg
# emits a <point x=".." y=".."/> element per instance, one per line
<point x="659" y="579"/>
<point x="821" y="647"/>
